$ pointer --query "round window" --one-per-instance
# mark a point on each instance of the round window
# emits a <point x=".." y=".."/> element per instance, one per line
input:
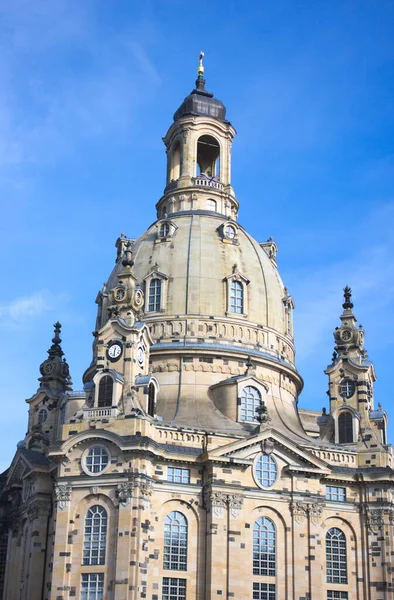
<point x="96" y="460"/>
<point x="229" y="232"/>
<point x="266" y="470"/>
<point x="347" y="388"/>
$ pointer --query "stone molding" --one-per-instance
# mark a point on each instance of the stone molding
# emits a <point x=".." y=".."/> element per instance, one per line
<point x="39" y="509"/>
<point x="125" y="492"/>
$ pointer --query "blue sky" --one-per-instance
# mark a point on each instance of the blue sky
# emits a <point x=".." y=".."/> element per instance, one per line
<point x="88" y="89"/>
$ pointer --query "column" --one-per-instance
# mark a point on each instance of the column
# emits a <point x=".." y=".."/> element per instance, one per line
<point x="123" y="542"/>
<point x="61" y="549"/>
<point x="216" y="558"/>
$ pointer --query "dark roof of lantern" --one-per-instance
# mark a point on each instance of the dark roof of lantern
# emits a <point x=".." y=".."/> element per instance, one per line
<point x="201" y="103"/>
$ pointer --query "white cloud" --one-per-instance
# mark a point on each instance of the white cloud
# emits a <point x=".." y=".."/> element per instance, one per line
<point x="19" y="311"/>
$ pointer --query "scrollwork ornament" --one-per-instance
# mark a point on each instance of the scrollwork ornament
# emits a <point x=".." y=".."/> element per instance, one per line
<point x="125" y="492"/>
<point x="62" y="494"/>
<point x="215" y="502"/>
<point x="38" y="509"/>
<point x="298" y="510"/>
<point x="315" y="510"/>
<point x="235" y="503"/>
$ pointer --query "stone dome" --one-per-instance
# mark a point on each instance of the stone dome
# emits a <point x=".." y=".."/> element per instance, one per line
<point x="198" y="262"/>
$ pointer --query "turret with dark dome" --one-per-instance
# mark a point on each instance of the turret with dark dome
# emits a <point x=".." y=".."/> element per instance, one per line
<point x="200" y="102"/>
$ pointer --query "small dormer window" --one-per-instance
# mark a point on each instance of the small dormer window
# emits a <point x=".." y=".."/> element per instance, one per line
<point x="154" y="295"/>
<point x="42" y="416"/>
<point x="236" y="297"/>
<point x="164" y="230"/>
<point x="250" y="402"/>
<point x="229" y="232"/>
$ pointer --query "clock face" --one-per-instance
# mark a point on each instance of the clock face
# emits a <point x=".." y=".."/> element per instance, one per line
<point x="347" y="388"/>
<point x="140" y="355"/>
<point x="114" y="351"/>
<point x="48" y="368"/>
<point x="346" y="335"/>
<point x="119" y="294"/>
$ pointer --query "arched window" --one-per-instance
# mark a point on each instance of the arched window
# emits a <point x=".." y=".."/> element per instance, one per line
<point x="211" y="204"/>
<point x="250" y="401"/>
<point x="208" y="156"/>
<point x="154" y="303"/>
<point x="95" y="539"/>
<point x="345" y="428"/>
<point x="106" y="387"/>
<point x="236" y="297"/>
<point x="336" y="563"/>
<point x="175" y="542"/>
<point x="175" y="161"/>
<point x="264" y="547"/>
<point x="151" y="400"/>
<point x="42" y="416"/>
<point x="164" y="229"/>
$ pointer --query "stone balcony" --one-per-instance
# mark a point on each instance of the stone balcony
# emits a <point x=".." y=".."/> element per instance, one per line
<point x="100" y="413"/>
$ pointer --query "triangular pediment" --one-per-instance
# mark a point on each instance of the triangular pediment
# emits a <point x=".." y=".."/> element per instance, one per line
<point x="270" y="441"/>
<point x="23" y="463"/>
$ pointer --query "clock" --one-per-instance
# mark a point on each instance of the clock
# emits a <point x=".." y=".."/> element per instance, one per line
<point x="114" y="351"/>
<point x="140" y="355"/>
<point x="119" y="294"/>
<point x="346" y="335"/>
<point x="47" y="368"/>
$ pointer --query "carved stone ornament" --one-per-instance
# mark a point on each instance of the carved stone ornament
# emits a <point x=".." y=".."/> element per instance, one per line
<point x="377" y="518"/>
<point x="125" y="492"/>
<point x="62" y="495"/>
<point x="298" y="510"/>
<point x="235" y="503"/>
<point x="267" y="446"/>
<point x="302" y="509"/>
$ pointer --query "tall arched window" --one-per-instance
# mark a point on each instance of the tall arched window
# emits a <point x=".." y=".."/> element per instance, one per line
<point x="336" y="563"/>
<point x="264" y="547"/>
<point x="42" y="416"/>
<point x="250" y="401"/>
<point x="106" y="387"/>
<point x="236" y="297"/>
<point x="154" y="303"/>
<point x="208" y="156"/>
<point x="95" y="539"/>
<point x="345" y="428"/>
<point x="175" y="542"/>
<point x="151" y="400"/>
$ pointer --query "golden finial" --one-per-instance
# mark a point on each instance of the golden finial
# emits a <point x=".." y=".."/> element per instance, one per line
<point x="200" y="68"/>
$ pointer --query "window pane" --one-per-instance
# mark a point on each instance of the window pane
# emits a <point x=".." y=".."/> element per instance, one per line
<point x="250" y="401"/>
<point x="92" y="586"/>
<point x="264" y="591"/>
<point x="176" y="475"/>
<point x="154" y="295"/>
<point x="236" y="297"/>
<point x="266" y="470"/>
<point x="95" y="536"/>
<point x="264" y="547"/>
<point x="97" y="459"/>
<point x="174" y="589"/>
<point x="345" y="428"/>
<point x="175" y="542"/>
<point x="336" y="595"/>
<point x="336" y="556"/>
<point x="337" y="494"/>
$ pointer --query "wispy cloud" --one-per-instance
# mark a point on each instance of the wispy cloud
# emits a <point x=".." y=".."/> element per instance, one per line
<point x="19" y="311"/>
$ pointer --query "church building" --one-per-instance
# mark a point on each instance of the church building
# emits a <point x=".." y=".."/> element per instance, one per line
<point x="184" y="469"/>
